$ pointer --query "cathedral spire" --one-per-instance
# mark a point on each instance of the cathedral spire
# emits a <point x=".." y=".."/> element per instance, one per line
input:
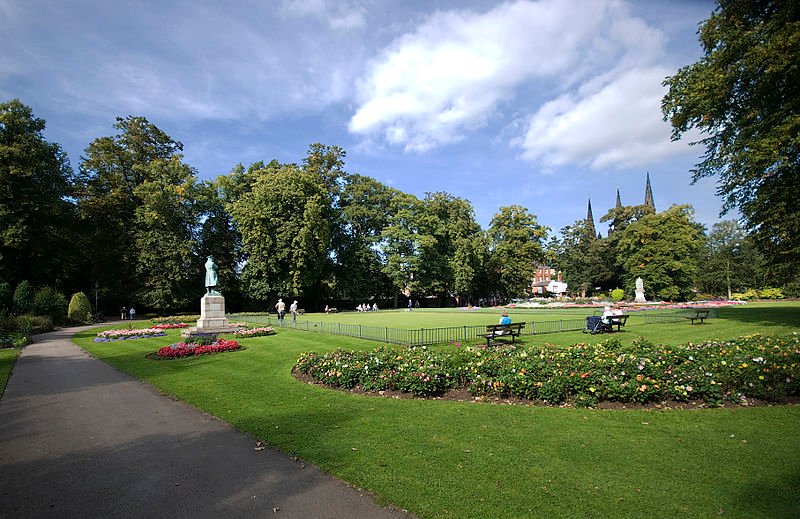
<point x="590" y="219"/>
<point x="619" y="202"/>
<point x="648" y="194"/>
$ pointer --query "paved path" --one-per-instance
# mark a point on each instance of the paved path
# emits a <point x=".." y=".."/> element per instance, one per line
<point x="80" y="439"/>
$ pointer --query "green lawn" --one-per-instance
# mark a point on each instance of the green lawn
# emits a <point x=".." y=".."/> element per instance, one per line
<point x="466" y="459"/>
<point x="8" y="356"/>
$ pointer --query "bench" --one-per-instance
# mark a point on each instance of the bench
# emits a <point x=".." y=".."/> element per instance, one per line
<point x="301" y="311"/>
<point x="6" y="341"/>
<point x="332" y="311"/>
<point x="497" y="331"/>
<point x="595" y="324"/>
<point x="698" y="315"/>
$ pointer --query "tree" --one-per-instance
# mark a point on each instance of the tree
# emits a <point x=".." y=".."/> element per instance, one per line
<point x="164" y="228"/>
<point x="517" y="245"/>
<point x="80" y="309"/>
<point x="447" y="254"/>
<point x="743" y="98"/>
<point x="401" y="241"/>
<point x="286" y="232"/>
<point x="109" y="193"/>
<point x="730" y="261"/>
<point x="663" y="249"/>
<point x="584" y="258"/>
<point x="366" y="208"/>
<point x="37" y="221"/>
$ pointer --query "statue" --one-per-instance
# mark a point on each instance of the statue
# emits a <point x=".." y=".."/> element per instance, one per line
<point x="640" y="291"/>
<point x="211" y="276"/>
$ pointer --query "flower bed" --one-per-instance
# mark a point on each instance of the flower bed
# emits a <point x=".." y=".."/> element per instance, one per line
<point x="182" y="349"/>
<point x="254" y="332"/>
<point x="714" y="372"/>
<point x="167" y="326"/>
<point x="126" y="334"/>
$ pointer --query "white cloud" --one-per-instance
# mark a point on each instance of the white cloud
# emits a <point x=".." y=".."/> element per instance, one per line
<point x="563" y="60"/>
<point x="616" y="125"/>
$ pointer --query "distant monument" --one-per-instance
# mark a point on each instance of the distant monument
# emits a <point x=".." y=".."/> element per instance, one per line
<point x="212" y="305"/>
<point x="640" y="291"/>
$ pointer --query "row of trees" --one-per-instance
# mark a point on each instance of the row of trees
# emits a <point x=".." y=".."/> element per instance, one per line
<point x="135" y="224"/>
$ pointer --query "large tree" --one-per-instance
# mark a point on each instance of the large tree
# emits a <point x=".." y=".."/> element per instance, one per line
<point x="111" y="193"/>
<point x="37" y="222"/>
<point x="743" y="97"/>
<point x="517" y="246"/>
<point x="663" y="249"/>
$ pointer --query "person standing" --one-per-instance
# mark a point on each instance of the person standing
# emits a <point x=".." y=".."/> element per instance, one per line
<point x="293" y="310"/>
<point x="132" y="312"/>
<point x="124" y="313"/>
<point x="280" y="306"/>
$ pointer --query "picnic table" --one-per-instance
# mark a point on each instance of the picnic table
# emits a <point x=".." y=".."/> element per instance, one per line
<point x="698" y="315"/>
<point x="502" y="331"/>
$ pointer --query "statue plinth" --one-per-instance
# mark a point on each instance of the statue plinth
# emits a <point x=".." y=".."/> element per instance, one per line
<point x="640" y="297"/>
<point x="212" y="315"/>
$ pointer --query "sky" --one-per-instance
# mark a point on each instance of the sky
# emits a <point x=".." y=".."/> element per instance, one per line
<point x="543" y="104"/>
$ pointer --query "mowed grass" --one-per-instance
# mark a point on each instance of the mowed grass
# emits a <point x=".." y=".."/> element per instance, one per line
<point x="466" y="459"/>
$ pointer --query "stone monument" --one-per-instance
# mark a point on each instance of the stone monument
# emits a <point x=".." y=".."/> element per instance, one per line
<point x="212" y="305"/>
<point x="640" y="291"/>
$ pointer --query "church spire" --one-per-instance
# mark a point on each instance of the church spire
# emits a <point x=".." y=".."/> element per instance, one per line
<point x="619" y="202"/>
<point x="648" y="194"/>
<point x="590" y="219"/>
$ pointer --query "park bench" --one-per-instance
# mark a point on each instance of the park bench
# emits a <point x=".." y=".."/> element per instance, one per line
<point x="301" y="311"/>
<point x="498" y="331"/>
<point x="332" y="310"/>
<point x="698" y="315"/>
<point x="595" y="324"/>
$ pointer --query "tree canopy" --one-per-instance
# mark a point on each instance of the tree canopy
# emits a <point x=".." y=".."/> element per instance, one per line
<point x="742" y="96"/>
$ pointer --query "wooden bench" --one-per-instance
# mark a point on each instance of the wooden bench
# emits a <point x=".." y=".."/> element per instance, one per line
<point x="616" y="320"/>
<point x="301" y="311"/>
<point x="498" y="331"/>
<point x="332" y="311"/>
<point x="698" y="315"/>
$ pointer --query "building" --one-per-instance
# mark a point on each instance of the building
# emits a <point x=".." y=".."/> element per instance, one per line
<point x="543" y="282"/>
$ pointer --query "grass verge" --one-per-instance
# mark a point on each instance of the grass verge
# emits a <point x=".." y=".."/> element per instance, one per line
<point x="466" y="459"/>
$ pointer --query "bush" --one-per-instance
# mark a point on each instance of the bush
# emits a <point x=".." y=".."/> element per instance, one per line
<point x="30" y="324"/>
<point x="770" y="293"/>
<point x="747" y="295"/>
<point x="50" y="302"/>
<point x="617" y="294"/>
<point x="80" y="309"/>
<point x="22" y="301"/>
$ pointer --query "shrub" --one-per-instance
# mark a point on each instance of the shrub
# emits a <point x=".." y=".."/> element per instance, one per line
<point x="50" y="302"/>
<point x="80" y="309"/>
<point x="770" y="293"/>
<point x="747" y="295"/>
<point x="30" y="324"/>
<point x="22" y="301"/>
<point x="617" y="294"/>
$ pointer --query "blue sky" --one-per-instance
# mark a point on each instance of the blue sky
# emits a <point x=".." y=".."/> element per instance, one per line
<point x="537" y="103"/>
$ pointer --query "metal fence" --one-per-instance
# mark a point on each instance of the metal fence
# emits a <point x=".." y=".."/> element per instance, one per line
<point x="417" y="336"/>
<point x="676" y="315"/>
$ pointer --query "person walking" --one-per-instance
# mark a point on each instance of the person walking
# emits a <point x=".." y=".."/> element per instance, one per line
<point x="124" y="313"/>
<point x="280" y="306"/>
<point x="132" y="312"/>
<point x="293" y="310"/>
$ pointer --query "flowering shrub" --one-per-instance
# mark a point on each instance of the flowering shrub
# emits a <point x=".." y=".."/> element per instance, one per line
<point x="126" y="334"/>
<point x="254" y="332"/>
<point x="173" y="319"/>
<point x="167" y="326"/>
<point x="712" y="371"/>
<point x="182" y="349"/>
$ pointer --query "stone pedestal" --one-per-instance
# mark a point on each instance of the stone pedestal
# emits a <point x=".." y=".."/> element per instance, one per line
<point x="640" y="297"/>
<point x="212" y="315"/>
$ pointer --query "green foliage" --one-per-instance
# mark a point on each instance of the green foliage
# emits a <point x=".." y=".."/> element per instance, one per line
<point x="617" y="294"/>
<point x="49" y="302"/>
<point x="713" y="371"/>
<point x="23" y="298"/>
<point x="771" y="293"/>
<point x="80" y="309"/>
<point x="742" y="96"/>
<point x="5" y="296"/>
<point x="663" y="250"/>
<point x="517" y="245"/>
<point x="36" y="221"/>
<point x="751" y="294"/>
